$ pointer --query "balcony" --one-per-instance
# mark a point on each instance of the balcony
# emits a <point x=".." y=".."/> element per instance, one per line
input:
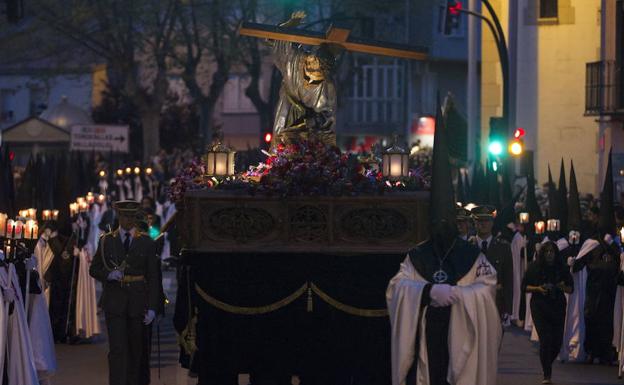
<point x="604" y="91"/>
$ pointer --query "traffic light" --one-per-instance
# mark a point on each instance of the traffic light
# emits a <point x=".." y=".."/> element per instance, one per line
<point x="516" y="146"/>
<point x="495" y="147"/>
<point x="452" y="13"/>
<point x="497" y="138"/>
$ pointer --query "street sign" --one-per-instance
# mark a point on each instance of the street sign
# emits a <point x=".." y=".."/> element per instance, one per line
<point x="96" y="137"/>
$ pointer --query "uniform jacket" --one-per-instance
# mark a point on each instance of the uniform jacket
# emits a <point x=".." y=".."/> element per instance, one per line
<point x="499" y="255"/>
<point x="131" y="299"/>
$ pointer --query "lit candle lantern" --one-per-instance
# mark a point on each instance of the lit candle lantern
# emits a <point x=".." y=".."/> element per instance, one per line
<point x="539" y="227"/>
<point x="148" y="171"/>
<point x="220" y="161"/>
<point x="128" y="170"/>
<point x="83" y="206"/>
<point x="80" y="200"/>
<point x="137" y="170"/>
<point x="22" y="213"/>
<point x="395" y="161"/>
<point x="553" y="224"/>
<point x="90" y="198"/>
<point x="32" y="213"/>
<point x="55" y="214"/>
<point x="46" y="215"/>
<point x="524" y="217"/>
<point x="119" y="172"/>
<point x="102" y="174"/>
<point x="3" y="224"/>
<point x="101" y="198"/>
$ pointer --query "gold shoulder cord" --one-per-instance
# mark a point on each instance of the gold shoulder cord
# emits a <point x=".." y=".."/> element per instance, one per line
<point x="106" y="266"/>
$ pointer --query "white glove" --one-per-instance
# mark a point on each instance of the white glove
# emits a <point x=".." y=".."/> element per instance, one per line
<point x="570" y="261"/>
<point x="149" y="317"/>
<point x="54" y="234"/>
<point x="8" y="294"/>
<point x="442" y="295"/>
<point x="46" y="235"/>
<point x="76" y="251"/>
<point x="115" y="275"/>
<point x="608" y="239"/>
<point x="30" y="263"/>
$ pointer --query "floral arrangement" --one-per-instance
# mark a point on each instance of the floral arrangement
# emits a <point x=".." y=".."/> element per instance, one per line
<point x="308" y="168"/>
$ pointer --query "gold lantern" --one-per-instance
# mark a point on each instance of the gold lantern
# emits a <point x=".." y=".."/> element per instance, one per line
<point x="220" y="161"/>
<point x="395" y="162"/>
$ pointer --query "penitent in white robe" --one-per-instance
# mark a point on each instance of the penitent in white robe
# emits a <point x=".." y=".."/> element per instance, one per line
<point x="41" y="337"/>
<point x="21" y="366"/>
<point x="44" y="255"/>
<point x="87" y="323"/>
<point x="474" y="327"/>
<point x="519" y="266"/>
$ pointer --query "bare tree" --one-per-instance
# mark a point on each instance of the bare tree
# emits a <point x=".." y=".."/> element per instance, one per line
<point x="133" y="38"/>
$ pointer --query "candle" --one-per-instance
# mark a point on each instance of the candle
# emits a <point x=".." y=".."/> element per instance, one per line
<point x="32" y="213"/>
<point x="102" y="174"/>
<point x="31" y="229"/>
<point x="119" y="172"/>
<point x="73" y="209"/>
<point x="10" y="227"/>
<point x="80" y="200"/>
<point x="83" y="206"/>
<point x="90" y="198"/>
<point x="22" y="213"/>
<point x="46" y="215"/>
<point x="553" y="225"/>
<point x="101" y="198"/>
<point x="3" y="224"/>
<point x="524" y="217"/>
<point x="621" y="234"/>
<point x="137" y="170"/>
<point x="55" y="214"/>
<point x="148" y="171"/>
<point x="18" y="229"/>
<point x="539" y="227"/>
<point x="128" y="170"/>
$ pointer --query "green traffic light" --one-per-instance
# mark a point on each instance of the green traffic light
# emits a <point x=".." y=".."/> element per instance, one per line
<point x="495" y="148"/>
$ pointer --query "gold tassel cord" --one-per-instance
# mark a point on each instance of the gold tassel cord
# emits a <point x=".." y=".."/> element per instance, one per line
<point x="308" y="288"/>
<point x="249" y="310"/>
<point x="356" y="311"/>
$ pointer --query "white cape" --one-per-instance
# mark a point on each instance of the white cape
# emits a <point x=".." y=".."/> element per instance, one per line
<point x="517" y="243"/>
<point x="41" y="336"/>
<point x="21" y="366"/>
<point x="474" y="329"/>
<point x="44" y="255"/>
<point x="87" y="324"/>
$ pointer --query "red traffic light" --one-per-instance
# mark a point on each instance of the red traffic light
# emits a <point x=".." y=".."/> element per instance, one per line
<point x="267" y="137"/>
<point x="455" y="8"/>
<point x="519" y="133"/>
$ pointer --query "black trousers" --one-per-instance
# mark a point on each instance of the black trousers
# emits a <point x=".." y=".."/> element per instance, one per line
<point x="549" y="320"/>
<point x="125" y="341"/>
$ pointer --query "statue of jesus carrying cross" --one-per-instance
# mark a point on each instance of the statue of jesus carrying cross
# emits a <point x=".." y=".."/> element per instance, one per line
<point x="307" y="105"/>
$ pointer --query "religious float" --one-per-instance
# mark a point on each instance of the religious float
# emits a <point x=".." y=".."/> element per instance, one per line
<point x="285" y="266"/>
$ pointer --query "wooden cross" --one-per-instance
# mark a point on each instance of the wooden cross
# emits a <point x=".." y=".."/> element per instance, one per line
<point x="334" y="35"/>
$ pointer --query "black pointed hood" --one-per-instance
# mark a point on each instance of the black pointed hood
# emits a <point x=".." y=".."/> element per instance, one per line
<point x="535" y="213"/>
<point x="553" y="204"/>
<point x="442" y="201"/>
<point x="562" y="192"/>
<point x="468" y="188"/>
<point x="478" y="184"/>
<point x="461" y="192"/>
<point x="574" y="203"/>
<point x="606" y="222"/>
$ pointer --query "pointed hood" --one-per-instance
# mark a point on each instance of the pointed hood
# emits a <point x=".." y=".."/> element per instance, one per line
<point x="478" y="184"/>
<point x="574" y="203"/>
<point x="606" y="222"/>
<point x="553" y="202"/>
<point x="535" y="213"/>
<point x="467" y="188"/>
<point x="461" y="192"/>
<point x="506" y="188"/>
<point x="562" y="192"/>
<point x="442" y="202"/>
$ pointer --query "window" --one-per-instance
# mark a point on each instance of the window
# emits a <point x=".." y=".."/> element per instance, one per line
<point x="234" y="99"/>
<point x="38" y="101"/>
<point x="6" y="106"/>
<point x="548" y="9"/>
<point x="376" y="95"/>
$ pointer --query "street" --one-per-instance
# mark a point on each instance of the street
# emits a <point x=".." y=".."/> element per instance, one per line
<point x="518" y="363"/>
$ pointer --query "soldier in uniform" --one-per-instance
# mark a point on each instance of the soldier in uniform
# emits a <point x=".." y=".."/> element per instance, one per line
<point x="498" y="253"/>
<point x="463" y="218"/>
<point x="126" y="266"/>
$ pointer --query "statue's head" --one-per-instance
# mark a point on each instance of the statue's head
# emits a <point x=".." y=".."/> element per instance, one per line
<point x="320" y="63"/>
